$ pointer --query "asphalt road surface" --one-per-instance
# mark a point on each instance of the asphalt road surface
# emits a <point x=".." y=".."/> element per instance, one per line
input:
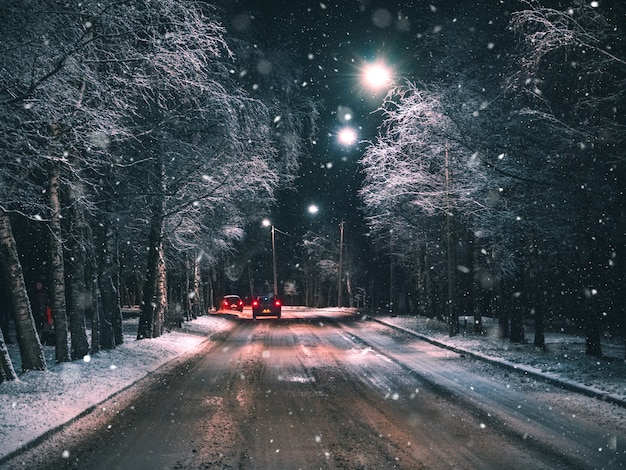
<point x="315" y="392"/>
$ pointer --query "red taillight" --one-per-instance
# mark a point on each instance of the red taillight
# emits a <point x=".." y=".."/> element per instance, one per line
<point x="277" y="303"/>
<point x="241" y="303"/>
<point x="226" y="303"/>
<point x="255" y="303"/>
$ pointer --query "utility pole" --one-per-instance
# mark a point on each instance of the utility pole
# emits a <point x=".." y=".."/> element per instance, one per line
<point x="274" y="260"/>
<point x="453" y="327"/>
<point x="339" y="286"/>
<point x="392" y="307"/>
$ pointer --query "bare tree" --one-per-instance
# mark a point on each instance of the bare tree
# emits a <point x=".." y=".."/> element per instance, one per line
<point x="30" y="348"/>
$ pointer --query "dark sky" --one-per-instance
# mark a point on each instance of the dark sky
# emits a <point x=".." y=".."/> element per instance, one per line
<point x="331" y="41"/>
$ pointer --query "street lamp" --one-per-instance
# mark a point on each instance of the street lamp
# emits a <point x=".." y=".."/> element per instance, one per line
<point x="347" y="136"/>
<point x="267" y="223"/>
<point x="376" y="75"/>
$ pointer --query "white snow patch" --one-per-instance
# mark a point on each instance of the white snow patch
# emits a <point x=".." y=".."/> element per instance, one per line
<point x="42" y="400"/>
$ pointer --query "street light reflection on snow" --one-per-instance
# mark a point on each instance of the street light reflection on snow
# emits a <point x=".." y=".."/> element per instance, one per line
<point x="347" y="136"/>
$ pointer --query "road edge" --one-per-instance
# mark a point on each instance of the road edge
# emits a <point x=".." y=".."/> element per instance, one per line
<point x="520" y="368"/>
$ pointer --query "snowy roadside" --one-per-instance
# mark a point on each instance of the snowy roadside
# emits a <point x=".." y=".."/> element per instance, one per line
<point x="564" y="361"/>
<point x="41" y="401"/>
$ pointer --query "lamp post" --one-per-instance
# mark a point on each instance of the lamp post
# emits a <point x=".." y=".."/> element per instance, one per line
<point x="339" y="283"/>
<point x="267" y="223"/>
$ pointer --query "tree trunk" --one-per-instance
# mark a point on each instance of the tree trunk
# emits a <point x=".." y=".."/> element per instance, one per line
<point x="57" y="269"/>
<point x="188" y="292"/>
<point x="539" y="305"/>
<point x="198" y="298"/>
<point x="540" y="336"/>
<point x="593" y="325"/>
<point x="7" y="372"/>
<point x="161" y="310"/>
<point x="590" y="270"/>
<point x="78" y="294"/>
<point x="109" y="285"/>
<point x="517" y="319"/>
<point x="503" y="309"/>
<point x="31" y="350"/>
<point x="424" y="297"/>
<point x="150" y="300"/>
<point x="96" y="311"/>
<point x="150" y="304"/>
<point x="477" y="289"/>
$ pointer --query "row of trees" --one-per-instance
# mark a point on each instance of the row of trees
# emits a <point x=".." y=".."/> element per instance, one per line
<point x="499" y="182"/>
<point x="130" y="144"/>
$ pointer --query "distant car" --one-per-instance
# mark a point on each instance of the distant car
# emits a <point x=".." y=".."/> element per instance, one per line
<point x="232" y="302"/>
<point x="267" y="304"/>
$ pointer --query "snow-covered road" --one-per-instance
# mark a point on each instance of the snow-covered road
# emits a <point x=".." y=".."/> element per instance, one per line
<point x="386" y="362"/>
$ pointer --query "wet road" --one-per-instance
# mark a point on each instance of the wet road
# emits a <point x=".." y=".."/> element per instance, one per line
<point x="315" y="392"/>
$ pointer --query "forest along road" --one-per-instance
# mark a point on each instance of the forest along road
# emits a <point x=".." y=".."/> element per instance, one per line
<point x="346" y="393"/>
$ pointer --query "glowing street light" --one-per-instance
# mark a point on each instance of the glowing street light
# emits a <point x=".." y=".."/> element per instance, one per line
<point x="347" y="136"/>
<point x="377" y="75"/>
<point x="313" y="209"/>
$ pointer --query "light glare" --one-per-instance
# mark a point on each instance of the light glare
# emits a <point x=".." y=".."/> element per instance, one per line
<point x="347" y="136"/>
<point x="377" y="75"/>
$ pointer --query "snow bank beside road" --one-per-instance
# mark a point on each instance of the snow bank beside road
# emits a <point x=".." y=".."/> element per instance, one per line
<point x="564" y="359"/>
<point x="41" y="401"/>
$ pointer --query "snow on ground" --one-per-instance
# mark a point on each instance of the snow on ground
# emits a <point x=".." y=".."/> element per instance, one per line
<point x="564" y="358"/>
<point x="41" y="401"/>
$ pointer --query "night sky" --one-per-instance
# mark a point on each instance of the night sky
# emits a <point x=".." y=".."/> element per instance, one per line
<point x="331" y="43"/>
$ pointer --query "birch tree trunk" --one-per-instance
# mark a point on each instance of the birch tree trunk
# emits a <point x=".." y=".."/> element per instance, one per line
<point x="31" y="351"/>
<point x="161" y="310"/>
<point x="57" y="269"/>
<point x="198" y="297"/>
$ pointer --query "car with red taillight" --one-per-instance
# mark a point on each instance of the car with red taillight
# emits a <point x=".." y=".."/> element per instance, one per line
<point x="232" y="302"/>
<point x="266" y="305"/>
